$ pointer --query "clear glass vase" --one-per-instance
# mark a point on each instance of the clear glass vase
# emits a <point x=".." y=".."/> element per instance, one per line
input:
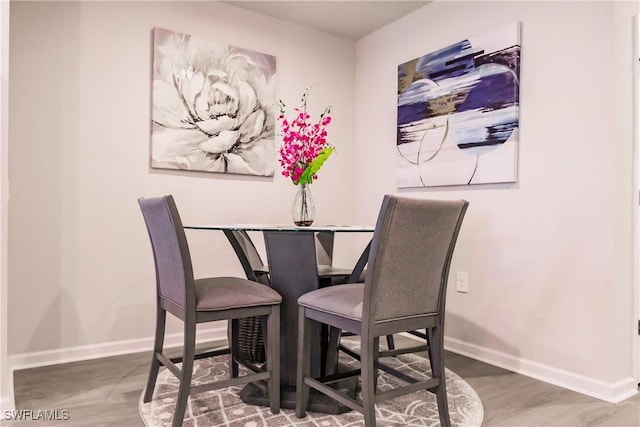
<point x="303" y="209"/>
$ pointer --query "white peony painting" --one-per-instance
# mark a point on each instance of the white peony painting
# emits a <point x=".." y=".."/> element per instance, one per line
<point x="213" y="106"/>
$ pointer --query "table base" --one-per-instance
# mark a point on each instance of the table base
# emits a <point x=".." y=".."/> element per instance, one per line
<point x="256" y="394"/>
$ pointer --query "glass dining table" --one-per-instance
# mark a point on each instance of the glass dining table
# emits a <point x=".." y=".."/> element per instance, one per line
<point x="292" y="259"/>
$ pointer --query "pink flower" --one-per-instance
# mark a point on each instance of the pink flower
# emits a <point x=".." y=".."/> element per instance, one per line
<point x="302" y="141"/>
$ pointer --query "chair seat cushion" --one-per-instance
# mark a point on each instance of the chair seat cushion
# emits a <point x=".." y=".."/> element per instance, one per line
<point x="323" y="270"/>
<point x="342" y="300"/>
<point x="222" y="293"/>
<point x="330" y="271"/>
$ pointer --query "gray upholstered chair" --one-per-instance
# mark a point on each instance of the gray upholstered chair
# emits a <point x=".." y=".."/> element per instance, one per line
<point x="404" y="290"/>
<point x="203" y="300"/>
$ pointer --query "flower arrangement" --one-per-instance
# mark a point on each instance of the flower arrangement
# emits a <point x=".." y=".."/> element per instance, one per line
<point x="305" y="148"/>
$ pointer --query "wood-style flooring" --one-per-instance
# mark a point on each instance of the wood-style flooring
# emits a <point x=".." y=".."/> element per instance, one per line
<point x="105" y="392"/>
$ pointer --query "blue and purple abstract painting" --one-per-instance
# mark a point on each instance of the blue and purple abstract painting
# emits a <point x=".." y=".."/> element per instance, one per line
<point x="458" y="112"/>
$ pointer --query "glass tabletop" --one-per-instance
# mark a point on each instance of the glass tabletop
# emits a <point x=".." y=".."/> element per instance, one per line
<point x="282" y="227"/>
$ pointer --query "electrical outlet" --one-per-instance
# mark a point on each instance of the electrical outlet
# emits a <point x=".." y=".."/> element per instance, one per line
<point x="462" y="282"/>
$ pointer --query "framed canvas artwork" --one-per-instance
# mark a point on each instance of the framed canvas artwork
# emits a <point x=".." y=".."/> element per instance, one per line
<point x="213" y="106"/>
<point x="458" y="113"/>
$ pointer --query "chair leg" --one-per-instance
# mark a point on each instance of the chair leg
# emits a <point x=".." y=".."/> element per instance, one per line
<point x="376" y="356"/>
<point x="332" y="350"/>
<point x="304" y="364"/>
<point x="273" y="358"/>
<point x="391" y="345"/>
<point x="188" y="353"/>
<point x="232" y="338"/>
<point x="158" y="343"/>
<point x="368" y="381"/>
<point x="429" y="348"/>
<point x="324" y="348"/>
<point x="437" y="369"/>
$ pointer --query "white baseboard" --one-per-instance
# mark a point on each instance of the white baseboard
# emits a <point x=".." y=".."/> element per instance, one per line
<point x="610" y="392"/>
<point x="7" y="398"/>
<point x="74" y="354"/>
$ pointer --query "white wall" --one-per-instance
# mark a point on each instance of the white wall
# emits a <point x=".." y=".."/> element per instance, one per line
<point x="549" y="258"/>
<point x="81" y="270"/>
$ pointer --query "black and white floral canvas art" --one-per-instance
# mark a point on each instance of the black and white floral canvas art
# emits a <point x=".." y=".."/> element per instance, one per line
<point x="213" y="106"/>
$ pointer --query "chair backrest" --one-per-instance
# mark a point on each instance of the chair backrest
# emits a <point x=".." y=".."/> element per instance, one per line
<point x="324" y="248"/>
<point x="251" y="260"/>
<point x="174" y="272"/>
<point x="410" y="257"/>
<point x="248" y="249"/>
<point x="248" y="256"/>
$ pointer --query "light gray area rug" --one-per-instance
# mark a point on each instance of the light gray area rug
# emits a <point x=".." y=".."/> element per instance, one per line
<point x="224" y="407"/>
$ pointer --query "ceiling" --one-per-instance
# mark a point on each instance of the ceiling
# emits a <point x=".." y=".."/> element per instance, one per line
<point x="350" y="18"/>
